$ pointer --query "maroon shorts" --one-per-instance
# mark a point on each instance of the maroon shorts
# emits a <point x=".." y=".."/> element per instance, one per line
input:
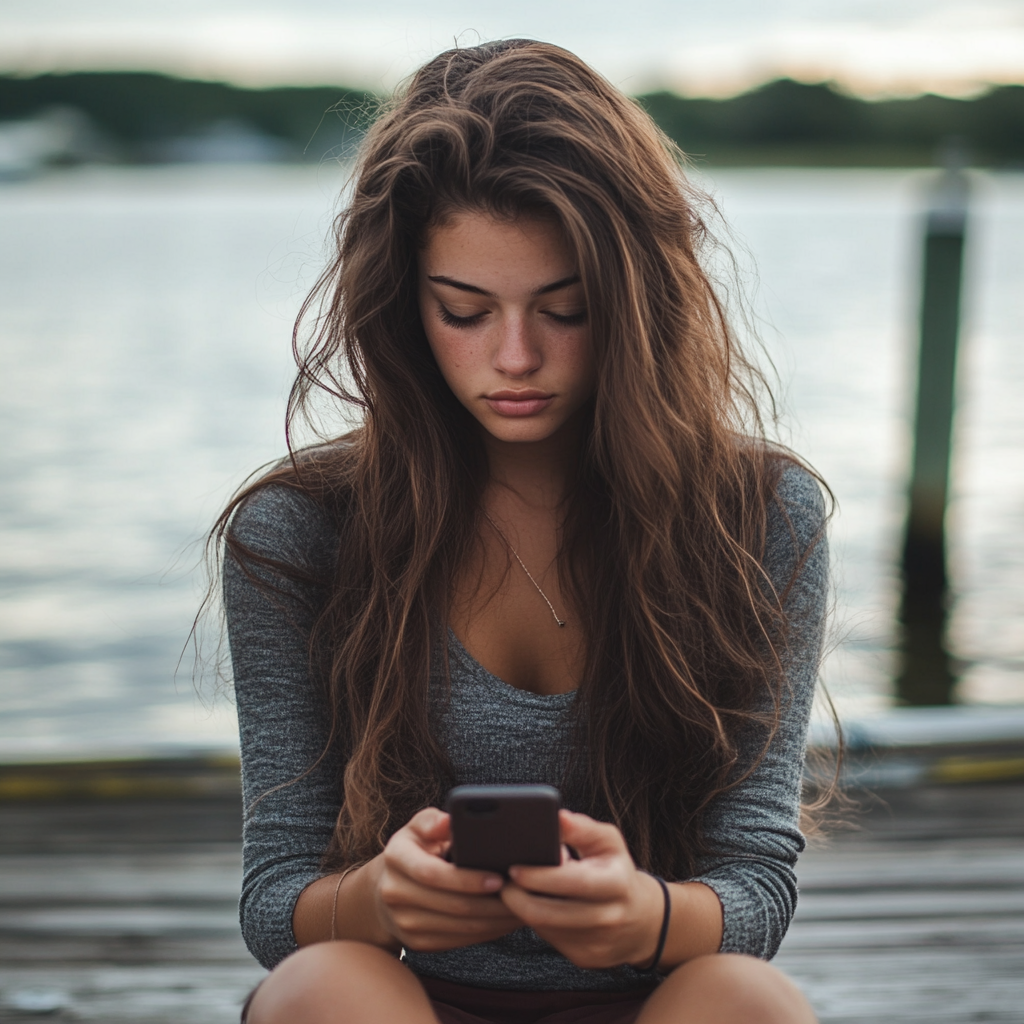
<point x="461" y="1004"/>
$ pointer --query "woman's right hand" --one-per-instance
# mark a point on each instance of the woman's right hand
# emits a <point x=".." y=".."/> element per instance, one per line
<point x="429" y="904"/>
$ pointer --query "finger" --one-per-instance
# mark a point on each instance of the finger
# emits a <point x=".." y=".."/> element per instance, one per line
<point x="423" y="939"/>
<point x="401" y="894"/>
<point x="590" y="838"/>
<point x="429" y="918"/>
<point x="420" y="928"/>
<point x="595" y="879"/>
<point x="404" y="855"/>
<point x="568" y="881"/>
<point x="435" y="873"/>
<point x="428" y="831"/>
<point x="431" y="825"/>
<point x="542" y="912"/>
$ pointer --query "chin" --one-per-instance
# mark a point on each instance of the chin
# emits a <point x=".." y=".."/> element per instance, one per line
<point x="520" y="432"/>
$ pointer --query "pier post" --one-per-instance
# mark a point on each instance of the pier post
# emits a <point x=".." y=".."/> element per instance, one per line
<point x="925" y="673"/>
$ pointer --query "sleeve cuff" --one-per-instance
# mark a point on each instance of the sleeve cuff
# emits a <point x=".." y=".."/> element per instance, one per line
<point x="268" y="932"/>
<point x="744" y="929"/>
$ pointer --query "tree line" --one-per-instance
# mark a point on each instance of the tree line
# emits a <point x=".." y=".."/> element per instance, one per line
<point x="784" y="121"/>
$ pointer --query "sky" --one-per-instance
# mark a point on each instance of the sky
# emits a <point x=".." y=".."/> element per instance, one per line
<point x="696" y="47"/>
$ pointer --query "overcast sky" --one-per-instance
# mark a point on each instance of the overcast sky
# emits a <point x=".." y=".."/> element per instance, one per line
<point x="701" y="47"/>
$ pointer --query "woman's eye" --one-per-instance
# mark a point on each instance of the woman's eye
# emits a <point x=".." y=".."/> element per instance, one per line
<point x="569" y="319"/>
<point x="451" y="320"/>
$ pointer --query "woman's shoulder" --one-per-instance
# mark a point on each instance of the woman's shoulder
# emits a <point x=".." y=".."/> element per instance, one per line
<point x="795" y="537"/>
<point x="798" y="501"/>
<point x="276" y="509"/>
<point x="282" y="520"/>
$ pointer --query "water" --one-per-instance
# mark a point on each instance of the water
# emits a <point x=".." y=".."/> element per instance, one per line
<point x="145" y="317"/>
<point x="839" y="259"/>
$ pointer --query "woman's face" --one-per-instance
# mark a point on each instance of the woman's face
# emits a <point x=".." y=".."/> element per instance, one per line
<point x="503" y="309"/>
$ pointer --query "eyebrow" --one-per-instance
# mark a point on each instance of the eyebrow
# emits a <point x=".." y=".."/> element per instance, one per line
<point x="555" y="286"/>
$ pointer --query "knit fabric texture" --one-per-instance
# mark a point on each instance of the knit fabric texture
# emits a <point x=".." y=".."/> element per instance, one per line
<point x="493" y="733"/>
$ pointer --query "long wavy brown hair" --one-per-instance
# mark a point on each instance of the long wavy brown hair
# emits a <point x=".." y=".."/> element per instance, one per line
<point x="663" y="537"/>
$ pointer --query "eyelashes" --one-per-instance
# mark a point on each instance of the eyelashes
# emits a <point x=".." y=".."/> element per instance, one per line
<point x="449" y="319"/>
<point x="571" y="320"/>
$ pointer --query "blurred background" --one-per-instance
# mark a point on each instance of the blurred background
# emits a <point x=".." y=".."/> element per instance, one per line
<point x="169" y="172"/>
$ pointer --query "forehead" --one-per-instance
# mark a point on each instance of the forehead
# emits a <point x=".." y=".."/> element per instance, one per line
<point x="476" y="242"/>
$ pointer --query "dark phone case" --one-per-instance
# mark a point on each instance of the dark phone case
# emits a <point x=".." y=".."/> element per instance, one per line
<point x="494" y="827"/>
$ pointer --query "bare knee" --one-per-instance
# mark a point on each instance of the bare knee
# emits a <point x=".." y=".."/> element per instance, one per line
<point x="339" y="981"/>
<point x="728" y="988"/>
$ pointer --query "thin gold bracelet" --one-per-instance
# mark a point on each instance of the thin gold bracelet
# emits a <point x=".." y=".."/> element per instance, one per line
<point x="334" y="905"/>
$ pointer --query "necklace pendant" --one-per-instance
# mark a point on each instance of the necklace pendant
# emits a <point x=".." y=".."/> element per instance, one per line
<point x="561" y="622"/>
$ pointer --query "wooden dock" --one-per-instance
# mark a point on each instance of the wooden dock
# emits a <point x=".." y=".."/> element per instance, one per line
<point x="124" y="910"/>
<point x="919" y="916"/>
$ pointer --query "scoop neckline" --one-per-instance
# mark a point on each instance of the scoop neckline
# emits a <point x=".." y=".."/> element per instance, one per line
<point x="512" y="691"/>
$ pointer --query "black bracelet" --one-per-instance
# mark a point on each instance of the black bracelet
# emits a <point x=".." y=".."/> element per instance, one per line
<point x="663" y="934"/>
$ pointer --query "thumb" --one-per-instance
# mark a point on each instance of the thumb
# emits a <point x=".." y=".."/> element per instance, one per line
<point x="588" y="837"/>
<point x="432" y="825"/>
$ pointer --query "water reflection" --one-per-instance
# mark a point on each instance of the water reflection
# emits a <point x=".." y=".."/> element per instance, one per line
<point x="145" y="316"/>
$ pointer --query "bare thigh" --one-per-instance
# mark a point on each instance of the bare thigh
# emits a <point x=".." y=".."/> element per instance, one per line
<point x="340" y="983"/>
<point x="354" y="983"/>
<point x="727" y="988"/>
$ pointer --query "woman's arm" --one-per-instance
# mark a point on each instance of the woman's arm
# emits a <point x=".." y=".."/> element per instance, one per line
<point x="351" y="899"/>
<point x="754" y="828"/>
<point x="695" y="928"/>
<point x="290" y="776"/>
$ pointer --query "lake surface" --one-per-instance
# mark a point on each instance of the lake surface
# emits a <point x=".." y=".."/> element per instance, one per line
<point x="145" y="319"/>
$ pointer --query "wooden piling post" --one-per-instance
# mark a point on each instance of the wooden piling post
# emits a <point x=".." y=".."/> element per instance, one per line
<point x="926" y="674"/>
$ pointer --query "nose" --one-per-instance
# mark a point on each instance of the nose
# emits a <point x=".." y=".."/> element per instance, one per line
<point x="517" y="354"/>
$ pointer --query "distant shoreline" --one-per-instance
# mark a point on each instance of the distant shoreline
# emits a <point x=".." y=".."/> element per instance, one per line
<point x="141" y="117"/>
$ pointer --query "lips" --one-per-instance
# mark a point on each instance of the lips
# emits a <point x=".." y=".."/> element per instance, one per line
<point x="527" y="402"/>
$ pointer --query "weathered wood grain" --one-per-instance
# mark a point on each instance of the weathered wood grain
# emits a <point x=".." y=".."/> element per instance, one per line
<point x="853" y="864"/>
<point x="116" y="877"/>
<point x="938" y="986"/>
<point x="111" y="994"/>
<point x="122" y="911"/>
<point x="126" y="911"/>
<point x="919" y="916"/>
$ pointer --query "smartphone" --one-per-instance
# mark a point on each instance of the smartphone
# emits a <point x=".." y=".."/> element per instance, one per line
<point x="494" y="827"/>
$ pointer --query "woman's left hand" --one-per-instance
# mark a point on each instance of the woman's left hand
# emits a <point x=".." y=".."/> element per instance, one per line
<point x="607" y="912"/>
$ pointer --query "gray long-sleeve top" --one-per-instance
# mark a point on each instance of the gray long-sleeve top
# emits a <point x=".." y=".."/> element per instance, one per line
<point x="493" y="733"/>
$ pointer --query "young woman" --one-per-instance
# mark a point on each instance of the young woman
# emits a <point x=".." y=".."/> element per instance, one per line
<point x="557" y="549"/>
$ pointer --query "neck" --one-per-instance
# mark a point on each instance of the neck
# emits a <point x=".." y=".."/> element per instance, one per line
<point x="537" y="472"/>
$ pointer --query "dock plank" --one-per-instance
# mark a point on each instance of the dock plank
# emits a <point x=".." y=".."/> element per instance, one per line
<point x="919" y="916"/>
<point x="194" y="874"/>
<point x="111" y="994"/>
<point x="122" y="911"/>
<point x="938" y="986"/>
<point x="126" y="911"/>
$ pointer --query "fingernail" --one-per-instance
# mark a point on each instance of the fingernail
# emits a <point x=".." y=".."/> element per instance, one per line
<point x="492" y="883"/>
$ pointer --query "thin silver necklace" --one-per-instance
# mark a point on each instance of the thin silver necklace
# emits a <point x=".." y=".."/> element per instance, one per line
<point x="508" y="544"/>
